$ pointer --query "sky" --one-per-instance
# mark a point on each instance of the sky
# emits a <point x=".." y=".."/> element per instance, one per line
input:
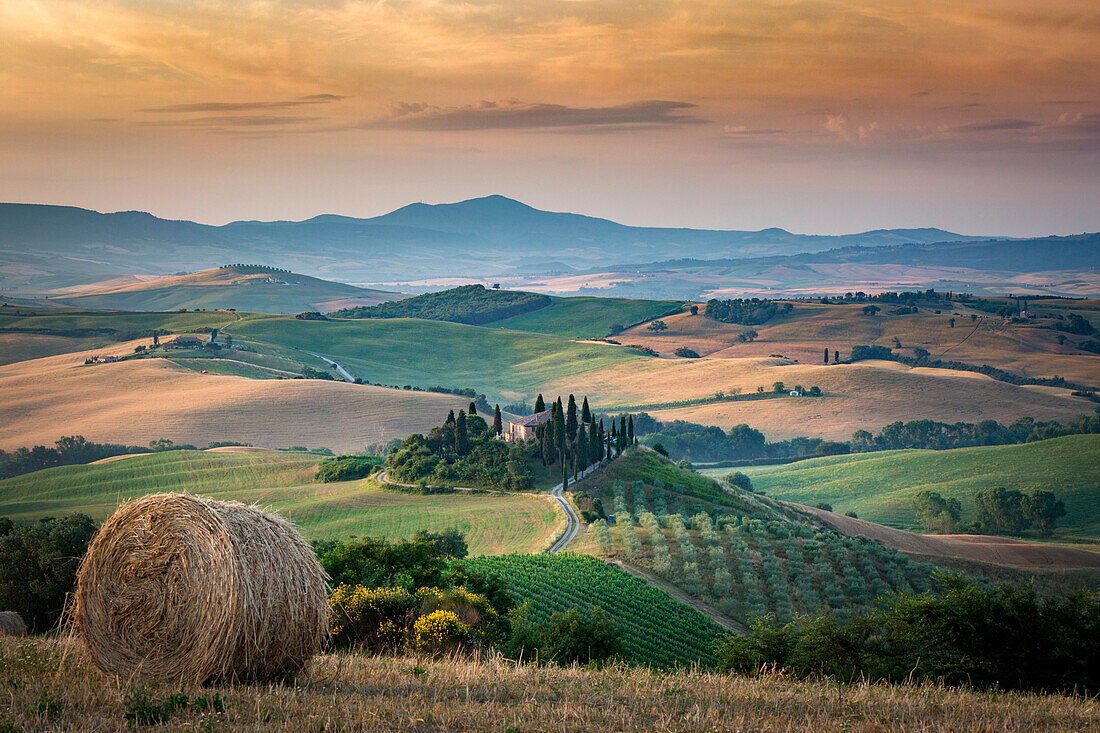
<point x="979" y="116"/>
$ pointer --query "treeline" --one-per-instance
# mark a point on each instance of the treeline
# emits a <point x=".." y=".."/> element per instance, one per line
<point x="71" y="450"/>
<point x="962" y="633"/>
<point x="745" y="311"/>
<point x="921" y="358"/>
<point x="690" y="441"/>
<point x="471" y="304"/>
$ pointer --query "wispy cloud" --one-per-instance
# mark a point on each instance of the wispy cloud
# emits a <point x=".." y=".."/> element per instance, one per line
<point x="997" y="126"/>
<point x="514" y="115"/>
<point x="245" y="106"/>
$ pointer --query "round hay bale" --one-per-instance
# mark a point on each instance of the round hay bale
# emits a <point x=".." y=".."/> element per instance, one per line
<point x="194" y="590"/>
<point x="11" y="624"/>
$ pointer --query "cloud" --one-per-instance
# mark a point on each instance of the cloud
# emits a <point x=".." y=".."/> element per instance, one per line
<point x="997" y="126"/>
<point x="232" y="121"/>
<point x="514" y="115"/>
<point x="245" y="106"/>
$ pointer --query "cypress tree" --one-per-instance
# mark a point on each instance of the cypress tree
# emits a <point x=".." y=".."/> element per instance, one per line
<point x="826" y="354"/>
<point x="571" y="420"/>
<point x="498" y="424"/>
<point x="473" y="408"/>
<point x="582" y="448"/>
<point x="622" y="433"/>
<point x="546" y="445"/>
<point x="593" y="445"/>
<point x="630" y="429"/>
<point x="836" y="356"/>
<point x="540" y="405"/>
<point x="586" y="414"/>
<point x="564" y="476"/>
<point x="559" y="424"/>
<point x="462" y="442"/>
<point x="602" y="442"/>
<point x="450" y="418"/>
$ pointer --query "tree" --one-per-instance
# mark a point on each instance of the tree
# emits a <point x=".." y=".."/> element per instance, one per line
<point x="540" y="405"/>
<point x="586" y="414"/>
<point x="694" y="310"/>
<point x="156" y="339"/>
<point x="657" y="326"/>
<point x="630" y="430"/>
<point x="38" y="564"/>
<point x="546" y="443"/>
<point x="462" y="440"/>
<point x="936" y="513"/>
<point x="836" y="356"/>
<point x="603" y="452"/>
<point x="498" y="424"/>
<point x="1001" y="511"/>
<point x="571" y="420"/>
<point x="660" y="448"/>
<point x="622" y="433"/>
<point x="951" y="323"/>
<point x="582" y="448"/>
<point x="593" y="444"/>
<point x="450" y="418"/>
<point x="870" y="310"/>
<point x="473" y="408"/>
<point x="778" y="387"/>
<point x="558" y="419"/>
<point x="1044" y="508"/>
<point x="826" y="355"/>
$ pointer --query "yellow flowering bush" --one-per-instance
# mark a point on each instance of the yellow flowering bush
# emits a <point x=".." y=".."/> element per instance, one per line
<point x="374" y="618"/>
<point x="472" y="609"/>
<point x="439" y="631"/>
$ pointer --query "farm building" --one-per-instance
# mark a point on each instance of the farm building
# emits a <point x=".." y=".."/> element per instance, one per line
<point x="521" y="429"/>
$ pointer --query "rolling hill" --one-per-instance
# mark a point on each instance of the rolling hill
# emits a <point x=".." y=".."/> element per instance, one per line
<point x="492" y="524"/>
<point x="242" y="287"/>
<point x="45" y="247"/>
<point x="880" y="486"/>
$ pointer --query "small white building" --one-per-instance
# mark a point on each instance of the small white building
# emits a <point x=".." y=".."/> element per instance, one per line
<point x="795" y="393"/>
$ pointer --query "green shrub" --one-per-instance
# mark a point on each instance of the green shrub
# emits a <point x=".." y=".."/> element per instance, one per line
<point x="38" y="564"/>
<point x="347" y="468"/>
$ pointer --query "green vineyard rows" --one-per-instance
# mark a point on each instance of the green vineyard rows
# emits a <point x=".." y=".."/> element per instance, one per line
<point x="656" y="629"/>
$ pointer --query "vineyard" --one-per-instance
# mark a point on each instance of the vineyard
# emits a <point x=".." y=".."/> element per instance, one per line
<point x="656" y="629"/>
<point x="746" y="555"/>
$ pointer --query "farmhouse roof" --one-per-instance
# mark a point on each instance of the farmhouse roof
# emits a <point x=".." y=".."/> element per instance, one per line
<point x="531" y="420"/>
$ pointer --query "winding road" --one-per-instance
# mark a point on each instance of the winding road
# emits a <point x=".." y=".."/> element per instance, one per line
<point x="572" y="522"/>
<point x="343" y="372"/>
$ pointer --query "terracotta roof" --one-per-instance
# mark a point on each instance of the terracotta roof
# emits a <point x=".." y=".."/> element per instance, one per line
<point x="530" y="420"/>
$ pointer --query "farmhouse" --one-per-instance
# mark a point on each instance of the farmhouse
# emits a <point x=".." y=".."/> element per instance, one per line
<point x="523" y="428"/>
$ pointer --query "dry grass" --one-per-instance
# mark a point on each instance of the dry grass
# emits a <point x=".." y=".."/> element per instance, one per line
<point x="136" y="401"/>
<point x="866" y="396"/>
<point x="11" y="624"/>
<point x="192" y="590"/>
<point x="344" y="692"/>
<point x="1022" y="349"/>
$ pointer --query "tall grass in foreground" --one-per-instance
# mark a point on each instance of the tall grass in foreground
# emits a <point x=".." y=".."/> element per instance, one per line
<point x="46" y="689"/>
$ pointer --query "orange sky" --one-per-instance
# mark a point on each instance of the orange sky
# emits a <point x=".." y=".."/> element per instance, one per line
<point x="818" y="116"/>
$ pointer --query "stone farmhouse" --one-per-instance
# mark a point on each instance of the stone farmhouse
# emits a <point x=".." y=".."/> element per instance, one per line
<point x="521" y="429"/>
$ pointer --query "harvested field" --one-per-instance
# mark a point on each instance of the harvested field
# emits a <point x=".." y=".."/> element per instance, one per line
<point x="980" y="548"/>
<point x="855" y="395"/>
<point x="1020" y="348"/>
<point x="134" y="402"/>
<point x="54" y="691"/>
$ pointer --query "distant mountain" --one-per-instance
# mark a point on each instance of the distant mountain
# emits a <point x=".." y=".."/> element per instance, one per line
<point x="44" y="247"/>
<point x="244" y="287"/>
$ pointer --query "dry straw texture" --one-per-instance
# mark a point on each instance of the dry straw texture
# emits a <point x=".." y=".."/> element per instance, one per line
<point x="11" y="624"/>
<point x="196" y="590"/>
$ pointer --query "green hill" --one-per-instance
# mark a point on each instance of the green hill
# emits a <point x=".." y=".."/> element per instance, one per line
<point x="501" y="363"/>
<point x="284" y="482"/>
<point x="471" y="304"/>
<point x="743" y="554"/>
<point x="880" y="486"/>
<point x="252" y="288"/>
<point x="588" y="317"/>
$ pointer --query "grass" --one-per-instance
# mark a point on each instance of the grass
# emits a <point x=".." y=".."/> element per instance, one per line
<point x="49" y="689"/>
<point x="501" y="363"/>
<point x="588" y="317"/>
<point x="880" y="486"/>
<point x="284" y="482"/>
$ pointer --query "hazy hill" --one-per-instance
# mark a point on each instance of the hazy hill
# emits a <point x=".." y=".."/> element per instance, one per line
<point x="247" y="288"/>
<point x="44" y="247"/>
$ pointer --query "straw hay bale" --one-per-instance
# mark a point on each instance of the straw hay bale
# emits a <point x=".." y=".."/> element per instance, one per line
<point x="195" y="590"/>
<point x="11" y="624"/>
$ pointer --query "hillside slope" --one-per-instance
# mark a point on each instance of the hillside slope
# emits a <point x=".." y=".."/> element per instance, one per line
<point x="879" y="486"/>
<point x="492" y="524"/>
<point x="245" y="288"/>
